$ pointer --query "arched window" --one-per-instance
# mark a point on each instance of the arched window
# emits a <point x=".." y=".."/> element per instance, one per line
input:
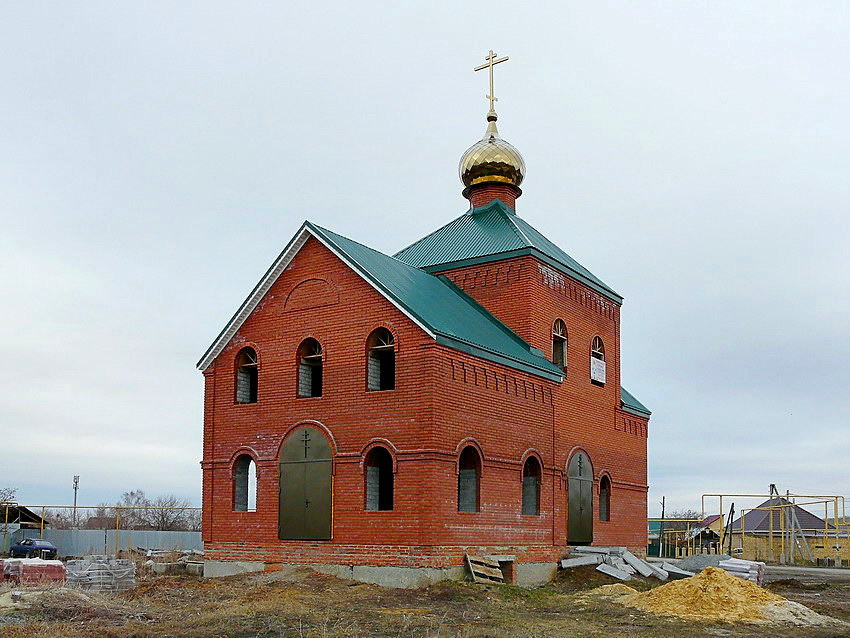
<point x="531" y="487"/>
<point x="379" y="480"/>
<point x="605" y="499"/>
<point x="244" y="484"/>
<point x="468" y="480"/>
<point x="559" y="344"/>
<point x="597" y="362"/>
<point x="310" y="368"/>
<point x="380" y="369"/>
<point x="246" y="376"/>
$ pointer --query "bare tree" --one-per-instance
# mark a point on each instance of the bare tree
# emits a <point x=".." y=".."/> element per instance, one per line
<point x="7" y="494"/>
<point x="132" y="518"/>
<point x="171" y="516"/>
<point x="682" y="525"/>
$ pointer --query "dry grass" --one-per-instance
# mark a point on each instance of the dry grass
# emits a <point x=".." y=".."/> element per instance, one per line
<point x="307" y="605"/>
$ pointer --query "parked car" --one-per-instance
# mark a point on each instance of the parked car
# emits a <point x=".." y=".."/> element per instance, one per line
<point x="33" y="548"/>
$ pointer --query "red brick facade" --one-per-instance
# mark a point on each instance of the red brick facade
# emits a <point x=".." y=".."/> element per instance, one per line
<point x="444" y="399"/>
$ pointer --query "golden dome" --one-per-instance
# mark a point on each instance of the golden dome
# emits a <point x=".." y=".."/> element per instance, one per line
<point x="491" y="159"/>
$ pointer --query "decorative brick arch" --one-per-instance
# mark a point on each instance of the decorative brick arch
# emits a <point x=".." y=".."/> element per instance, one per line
<point x="532" y="452"/>
<point x="245" y="450"/>
<point x="240" y="347"/>
<point x="378" y="442"/>
<point x="465" y="443"/>
<point x="383" y="324"/>
<point x="314" y="292"/>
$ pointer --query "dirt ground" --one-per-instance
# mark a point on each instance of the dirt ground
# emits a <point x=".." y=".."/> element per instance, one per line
<point x="304" y="604"/>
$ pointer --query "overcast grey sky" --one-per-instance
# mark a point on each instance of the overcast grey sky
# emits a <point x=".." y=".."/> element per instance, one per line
<point x="155" y="157"/>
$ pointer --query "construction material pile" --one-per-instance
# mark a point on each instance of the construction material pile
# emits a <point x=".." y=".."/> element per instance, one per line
<point x="29" y="571"/>
<point x="750" y="570"/>
<point x="617" y="562"/>
<point x="714" y="595"/>
<point x="101" y="573"/>
<point x="698" y="562"/>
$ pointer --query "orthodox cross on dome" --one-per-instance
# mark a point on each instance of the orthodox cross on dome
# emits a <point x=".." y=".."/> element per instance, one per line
<point x="492" y="61"/>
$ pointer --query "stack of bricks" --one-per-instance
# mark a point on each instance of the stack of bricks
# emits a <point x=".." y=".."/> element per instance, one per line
<point x="32" y="571"/>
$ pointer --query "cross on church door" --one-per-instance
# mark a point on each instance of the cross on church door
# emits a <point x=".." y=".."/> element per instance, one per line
<point x="579" y="500"/>
<point x="305" y="486"/>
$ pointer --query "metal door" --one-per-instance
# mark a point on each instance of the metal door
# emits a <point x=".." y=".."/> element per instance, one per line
<point x="580" y="500"/>
<point x="305" y="487"/>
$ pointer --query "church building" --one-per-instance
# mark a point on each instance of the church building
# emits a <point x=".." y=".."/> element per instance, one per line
<point x="381" y="416"/>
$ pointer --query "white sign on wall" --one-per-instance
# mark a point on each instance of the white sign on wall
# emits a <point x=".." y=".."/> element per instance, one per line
<point x="597" y="370"/>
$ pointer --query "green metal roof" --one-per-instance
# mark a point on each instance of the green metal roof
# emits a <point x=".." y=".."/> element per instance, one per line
<point x="493" y="232"/>
<point x="455" y="319"/>
<point x="631" y="404"/>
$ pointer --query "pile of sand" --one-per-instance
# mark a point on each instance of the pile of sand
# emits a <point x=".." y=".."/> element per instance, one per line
<point x="715" y="595"/>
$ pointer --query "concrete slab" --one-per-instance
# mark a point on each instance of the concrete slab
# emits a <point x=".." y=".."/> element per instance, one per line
<point x="619" y="563"/>
<point x="220" y="568"/>
<point x="613" y="571"/>
<point x="592" y="559"/>
<point x="674" y="573"/>
<point x="640" y="566"/>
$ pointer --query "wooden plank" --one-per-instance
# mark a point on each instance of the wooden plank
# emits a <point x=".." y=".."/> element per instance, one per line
<point x="484" y="570"/>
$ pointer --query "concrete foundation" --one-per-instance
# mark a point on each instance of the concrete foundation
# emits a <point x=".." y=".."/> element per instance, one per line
<point x="386" y="576"/>
<point x="535" y="573"/>
<point x="218" y="568"/>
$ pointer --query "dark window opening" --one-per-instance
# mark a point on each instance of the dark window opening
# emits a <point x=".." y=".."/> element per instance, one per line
<point x="531" y="487"/>
<point x="559" y="344"/>
<point x="310" y="369"/>
<point x="381" y="361"/>
<point x="246" y="376"/>
<point x="379" y="480"/>
<point x="468" y="480"/>
<point x="605" y="499"/>
<point x="244" y="484"/>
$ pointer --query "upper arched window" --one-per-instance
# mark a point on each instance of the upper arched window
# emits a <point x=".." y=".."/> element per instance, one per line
<point x="379" y="479"/>
<point x="605" y="499"/>
<point x="468" y="480"/>
<point x="559" y="344"/>
<point x="380" y="363"/>
<point x="247" y="376"/>
<point x="597" y="361"/>
<point x="531" y="486"/>
<point x="310" y="368"/>
<point x="244" y="484"/>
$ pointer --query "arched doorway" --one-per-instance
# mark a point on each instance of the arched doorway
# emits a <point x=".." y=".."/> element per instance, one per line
<point x="305" y="486"/>
<point x="579" y="500"/>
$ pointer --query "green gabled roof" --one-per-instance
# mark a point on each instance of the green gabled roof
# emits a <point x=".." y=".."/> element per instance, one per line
<point x="494" y="232"/>
<point x="631" y="404"/>
<point x="454" y="318"/>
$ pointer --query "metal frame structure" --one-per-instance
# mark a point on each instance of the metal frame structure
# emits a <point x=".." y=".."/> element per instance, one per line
<point x="793" y="537"/>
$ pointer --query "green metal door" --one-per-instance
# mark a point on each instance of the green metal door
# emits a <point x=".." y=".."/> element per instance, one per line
<point x="306" y="487"/>
<point x="580" y="500"/>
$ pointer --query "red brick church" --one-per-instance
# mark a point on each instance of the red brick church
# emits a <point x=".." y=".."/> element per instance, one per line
<point x="381" y="416"/>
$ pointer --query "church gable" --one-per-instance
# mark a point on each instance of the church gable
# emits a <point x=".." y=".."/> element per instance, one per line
<point x="439" y="308"/>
